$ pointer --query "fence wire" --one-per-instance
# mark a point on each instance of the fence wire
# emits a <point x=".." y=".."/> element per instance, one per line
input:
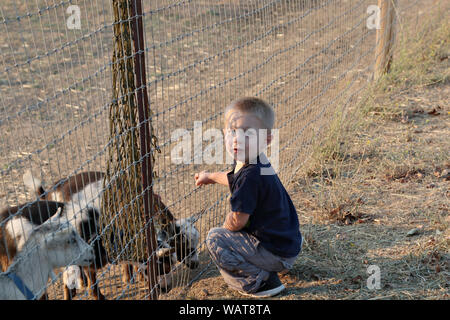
<point x="310" y="59"/>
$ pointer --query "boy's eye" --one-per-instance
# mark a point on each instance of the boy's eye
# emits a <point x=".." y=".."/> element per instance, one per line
<point x="250" y="132"/>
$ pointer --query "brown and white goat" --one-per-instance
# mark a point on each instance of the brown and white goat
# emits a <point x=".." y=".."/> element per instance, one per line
<point x="86" y="187"/>
<point x="18" y="222"/>
<point x="48" y="246"/>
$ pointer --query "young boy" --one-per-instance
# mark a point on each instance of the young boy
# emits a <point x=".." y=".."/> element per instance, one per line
<point x="261" y="235"/>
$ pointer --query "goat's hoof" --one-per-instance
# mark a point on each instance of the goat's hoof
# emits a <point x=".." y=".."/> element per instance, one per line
<point x="164" y="289"/>
<point x="44" y="296"/>
<point x="84" y="280"/>
<point x="99" y="297"/>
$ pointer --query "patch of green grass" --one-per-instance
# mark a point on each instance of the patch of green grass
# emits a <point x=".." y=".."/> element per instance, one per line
<point x="331" y="146"/>
<point x="419" y="54"/>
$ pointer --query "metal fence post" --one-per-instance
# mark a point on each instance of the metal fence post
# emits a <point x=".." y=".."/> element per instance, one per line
<point x="145" y="137"/>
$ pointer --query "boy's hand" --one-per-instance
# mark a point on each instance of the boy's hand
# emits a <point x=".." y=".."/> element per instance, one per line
<point x="203" y="178"/>
<point x="211" y="177"/>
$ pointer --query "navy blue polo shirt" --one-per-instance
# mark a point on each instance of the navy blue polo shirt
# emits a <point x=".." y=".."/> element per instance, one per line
<point x="273" y="218"/>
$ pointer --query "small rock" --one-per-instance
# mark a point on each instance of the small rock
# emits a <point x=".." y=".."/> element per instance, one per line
<point x="356" y="280"/>
<point x="445" y="174"/>
<point x="433" y="112"/>
<point x="412" y="232"/>
<point x="205" y="292"/>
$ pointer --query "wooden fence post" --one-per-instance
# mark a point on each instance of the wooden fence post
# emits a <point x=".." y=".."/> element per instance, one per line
<point x="385" y="37"/>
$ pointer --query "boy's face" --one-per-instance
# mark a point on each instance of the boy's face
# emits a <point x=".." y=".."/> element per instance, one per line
<point x="245" y="136"/>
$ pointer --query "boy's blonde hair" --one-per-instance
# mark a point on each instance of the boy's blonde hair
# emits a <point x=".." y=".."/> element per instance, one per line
<point x="255" y="106"/>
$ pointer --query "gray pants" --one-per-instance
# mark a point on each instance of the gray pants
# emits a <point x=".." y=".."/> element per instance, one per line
<point x="242" y="261"/>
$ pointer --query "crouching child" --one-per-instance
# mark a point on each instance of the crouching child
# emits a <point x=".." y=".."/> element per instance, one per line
<point x="261" y="235"/>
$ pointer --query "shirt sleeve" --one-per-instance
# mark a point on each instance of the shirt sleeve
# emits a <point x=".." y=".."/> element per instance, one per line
<point x="245" y="196"/>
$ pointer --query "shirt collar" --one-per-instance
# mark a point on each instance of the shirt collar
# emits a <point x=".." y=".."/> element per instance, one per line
<point x="233" y="176"/>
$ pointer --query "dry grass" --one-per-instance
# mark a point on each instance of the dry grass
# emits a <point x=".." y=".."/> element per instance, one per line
<point x="377" y="179"/>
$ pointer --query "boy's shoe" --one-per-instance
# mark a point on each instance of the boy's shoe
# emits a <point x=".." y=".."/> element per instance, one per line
<point x="272" y="286"/>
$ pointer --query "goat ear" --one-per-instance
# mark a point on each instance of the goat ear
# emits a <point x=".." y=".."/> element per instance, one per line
<point x="191" y="219"/>
<point x="53" y="234"/>
<point x="56" y="217"/>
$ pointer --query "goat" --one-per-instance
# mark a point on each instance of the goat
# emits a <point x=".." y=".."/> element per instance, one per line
<point x="80" y="190"/>
<point x="50" y="245"/>
<point x="86" y="187"/>
<point x="14" y="230"/>
<point x="177" y="242"/>
<point x="182" y="235"/>
<point x="28" y="216"/>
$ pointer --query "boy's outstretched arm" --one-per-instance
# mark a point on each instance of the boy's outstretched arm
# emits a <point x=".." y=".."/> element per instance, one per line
<point x="210" y="178"/>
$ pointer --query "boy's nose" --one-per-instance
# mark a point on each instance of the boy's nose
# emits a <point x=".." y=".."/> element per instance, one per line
<point x="239" y="143"/>
<point x="239" y="138"/>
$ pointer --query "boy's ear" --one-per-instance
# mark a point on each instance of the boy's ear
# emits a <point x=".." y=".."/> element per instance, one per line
<point x="269" y="137"/>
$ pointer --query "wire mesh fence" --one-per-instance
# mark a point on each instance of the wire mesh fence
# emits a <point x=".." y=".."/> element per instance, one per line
<point x="310" y="59"/>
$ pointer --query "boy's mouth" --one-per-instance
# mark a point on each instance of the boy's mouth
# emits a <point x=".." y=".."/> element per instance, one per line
<point x="236" y="150"/>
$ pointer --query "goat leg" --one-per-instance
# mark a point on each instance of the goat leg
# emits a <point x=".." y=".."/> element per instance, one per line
<point x="139" y="274"/>
<point x="84" y="278"/>
<point x="94" y="291"/>
<point x="127" y="273"/>
<point x="69" y="293"/>
<point x="44" y="296"/>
